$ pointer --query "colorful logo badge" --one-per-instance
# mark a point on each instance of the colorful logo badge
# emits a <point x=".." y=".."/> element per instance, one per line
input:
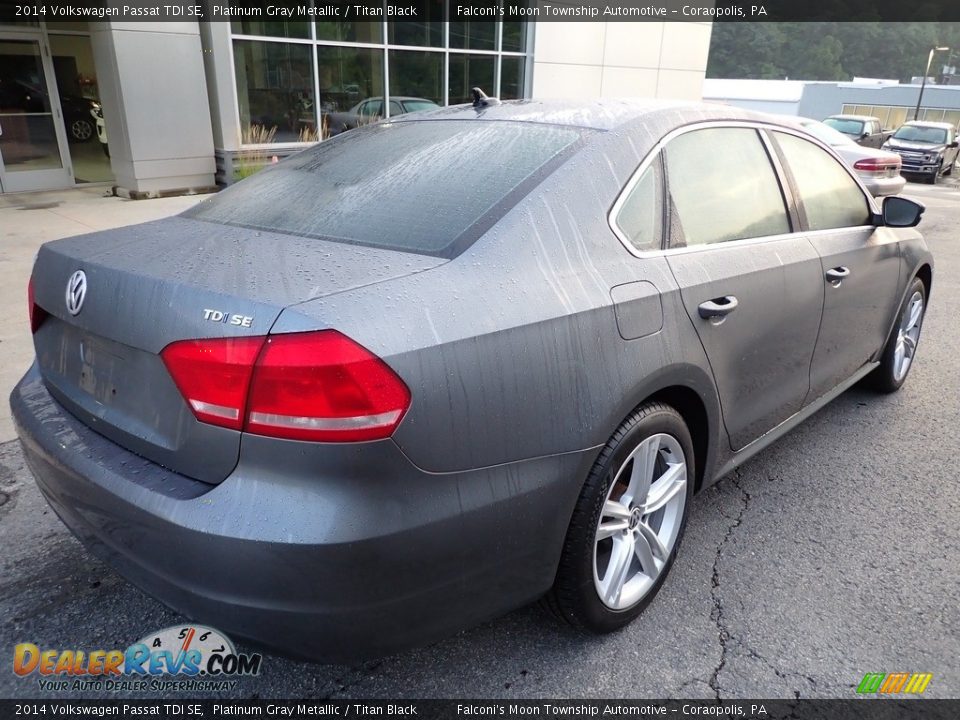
<point x="187" y="657"/>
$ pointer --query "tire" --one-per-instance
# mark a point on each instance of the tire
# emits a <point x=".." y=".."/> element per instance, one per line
<point x="82" y="130"/>
<point x="890" y="375"/>
<point x="588" y="568"/>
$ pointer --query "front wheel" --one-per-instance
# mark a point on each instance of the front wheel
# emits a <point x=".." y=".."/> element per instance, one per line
<point x="901" y="348"/>
<point x="628" y="522"/>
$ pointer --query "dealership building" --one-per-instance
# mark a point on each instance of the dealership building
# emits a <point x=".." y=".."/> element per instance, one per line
<point x="156" y="108"/>
<point x="892" y="102"/>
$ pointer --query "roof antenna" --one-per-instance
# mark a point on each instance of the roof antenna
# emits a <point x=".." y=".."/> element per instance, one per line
<point x="480" y="99"/>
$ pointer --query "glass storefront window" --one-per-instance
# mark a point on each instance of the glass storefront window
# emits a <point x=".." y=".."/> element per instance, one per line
<point x="348" y="77"/>
<point x="361" y="32"/>
<point x="417" y="74"/>
<point x="512" y="70"/>
<point x="76" y="76"/>
<point x="952" y="117"/>
<point x="473" y="35"/>
<point x="272" y="28"/>
<point x="418" y="64"/>
<point x="896" y="118"/>
<point x="514" y="35"/>
<point x="28" y="140"/>
<point x="275" y="91"/>
<point x="423" y="33"/>
<point x="468" y="72"/>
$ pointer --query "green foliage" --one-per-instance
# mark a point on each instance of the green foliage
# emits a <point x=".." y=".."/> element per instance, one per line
<point x="829" y="51"/>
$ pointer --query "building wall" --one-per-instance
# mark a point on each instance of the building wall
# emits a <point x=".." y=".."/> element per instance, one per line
<point x="822" y="99"/>
<point x="154" y="99"/>
<point x="620" y="59"/>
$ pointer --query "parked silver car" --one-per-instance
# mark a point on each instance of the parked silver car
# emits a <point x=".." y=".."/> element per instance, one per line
<point x="439" y="367"/>
<point x="878" y="169"/>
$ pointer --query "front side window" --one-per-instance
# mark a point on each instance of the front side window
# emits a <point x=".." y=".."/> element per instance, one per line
<point x="722" y="187"/>
<point x="830" y="197"/>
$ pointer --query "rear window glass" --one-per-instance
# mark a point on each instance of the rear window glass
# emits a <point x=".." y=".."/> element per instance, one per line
<point x="850" y="127"/>
<point x="425" y="187"/>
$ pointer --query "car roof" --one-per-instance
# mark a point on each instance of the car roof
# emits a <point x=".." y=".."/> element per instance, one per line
<point x="603" y="114"/>
<point x="930" y="123"/>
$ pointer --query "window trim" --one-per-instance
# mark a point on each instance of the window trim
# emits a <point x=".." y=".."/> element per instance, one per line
<point x="785" y="188"/>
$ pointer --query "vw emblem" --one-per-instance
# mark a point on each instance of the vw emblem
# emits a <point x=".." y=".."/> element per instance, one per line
<point x="76" y="292"/>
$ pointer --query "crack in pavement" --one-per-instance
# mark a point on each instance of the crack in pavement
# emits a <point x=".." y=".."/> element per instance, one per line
<point x="723" y="632"/>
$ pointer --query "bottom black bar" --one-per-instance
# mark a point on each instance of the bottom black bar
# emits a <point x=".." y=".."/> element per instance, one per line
<point x="184" y="709"/>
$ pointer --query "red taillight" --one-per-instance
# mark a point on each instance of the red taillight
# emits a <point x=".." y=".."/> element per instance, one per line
<point x="37" y="313"/>
<point x="877" y="164"/>
<point x="301" y="386"/>
<point x="214" y="376"/>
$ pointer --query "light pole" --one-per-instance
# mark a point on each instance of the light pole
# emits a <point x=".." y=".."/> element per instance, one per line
<point x="923" y="83"/>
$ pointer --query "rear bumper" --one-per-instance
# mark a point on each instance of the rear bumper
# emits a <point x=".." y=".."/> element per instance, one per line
<point x="881" y="187"/>
<point x="367" y="556"/>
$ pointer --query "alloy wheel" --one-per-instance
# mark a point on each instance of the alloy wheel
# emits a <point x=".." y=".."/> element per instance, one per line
<point x="640" y="521"/>
<point x="908" y="334"/>
<point x="81" y="130"/>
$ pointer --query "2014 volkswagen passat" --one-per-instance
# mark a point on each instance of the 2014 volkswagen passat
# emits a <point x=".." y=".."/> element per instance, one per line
<point x="442" y="366"/>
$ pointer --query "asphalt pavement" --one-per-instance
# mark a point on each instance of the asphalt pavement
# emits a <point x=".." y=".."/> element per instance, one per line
<point x="834" y="553"/>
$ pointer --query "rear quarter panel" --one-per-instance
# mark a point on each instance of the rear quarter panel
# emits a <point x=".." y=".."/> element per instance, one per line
<point x="512" y="351"/>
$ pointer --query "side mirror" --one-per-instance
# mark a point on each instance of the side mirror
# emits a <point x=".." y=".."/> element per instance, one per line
<point x="901" y="212"/>
<point x="954" y="144"/>
<point x="864" y="134"/>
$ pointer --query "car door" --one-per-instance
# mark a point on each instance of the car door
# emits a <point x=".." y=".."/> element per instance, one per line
<point x="860" y="263"/>
<point x="749" y="284"/>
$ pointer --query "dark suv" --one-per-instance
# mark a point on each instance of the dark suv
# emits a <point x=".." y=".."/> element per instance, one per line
<point x="927" y="149"/>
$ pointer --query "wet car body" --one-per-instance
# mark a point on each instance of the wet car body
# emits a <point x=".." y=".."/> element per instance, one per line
<point x="522" y="350"/>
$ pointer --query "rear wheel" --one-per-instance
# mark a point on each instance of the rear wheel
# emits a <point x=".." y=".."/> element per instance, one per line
<point x="628" y="522"/>
<point x="898" y="355"/>
<point x="81" y="130"/>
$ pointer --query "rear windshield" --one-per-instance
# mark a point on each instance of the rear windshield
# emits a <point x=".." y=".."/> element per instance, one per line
<point x="827" y="134"/>
<point x="920" y="134"/>
<point x="850" y="127"/>
<point x="429" y="187"/>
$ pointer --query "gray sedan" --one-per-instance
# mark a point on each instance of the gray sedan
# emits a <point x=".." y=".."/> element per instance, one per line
<point x="443" y="366"/>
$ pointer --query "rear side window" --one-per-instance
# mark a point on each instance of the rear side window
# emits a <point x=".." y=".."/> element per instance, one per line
<point x="641" y="214"/>
<point x="829" y="196"/>
<point x="722" y="187"/>
<point x="425" y="187"/>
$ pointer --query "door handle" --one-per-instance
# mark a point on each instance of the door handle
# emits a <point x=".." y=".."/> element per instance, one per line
<point x="718" y="307"/>
<point x="837" y="274"/>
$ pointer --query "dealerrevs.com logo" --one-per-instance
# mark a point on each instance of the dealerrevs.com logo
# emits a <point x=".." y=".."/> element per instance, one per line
<point x="181" y="658"/>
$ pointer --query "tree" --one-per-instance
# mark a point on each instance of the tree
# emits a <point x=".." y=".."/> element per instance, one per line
<point x="828" y="51"/>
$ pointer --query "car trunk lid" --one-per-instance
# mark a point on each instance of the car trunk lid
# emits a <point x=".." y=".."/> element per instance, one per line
<point x="175" y="279"/>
